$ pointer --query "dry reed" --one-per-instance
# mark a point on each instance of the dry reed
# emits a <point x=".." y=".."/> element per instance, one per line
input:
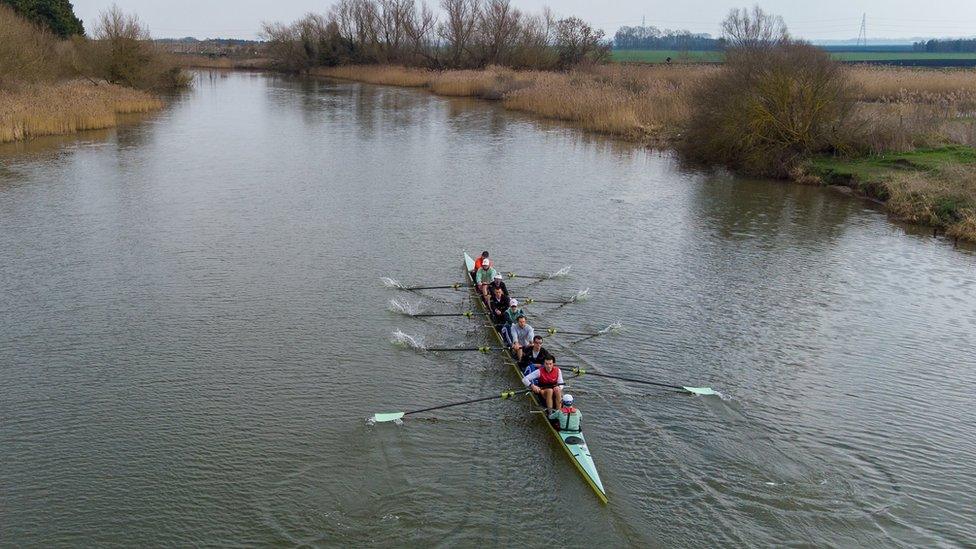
<point x="913" y="85"/>
<point x="632" y="102"/>
<point x="66" y="107"/>
<point x="945" y="197"/>
<point x="388" y="75"/>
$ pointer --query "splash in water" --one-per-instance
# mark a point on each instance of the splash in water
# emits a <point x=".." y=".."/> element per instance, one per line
<point x="581" y="295"/>
<point x="370" y="421"/>
<point x="403" y="306"/>
<point x="612" y="329"/>
<point x="392" y="283"/>
<point x="401" y="339"/>
<point x="560" y="273"/>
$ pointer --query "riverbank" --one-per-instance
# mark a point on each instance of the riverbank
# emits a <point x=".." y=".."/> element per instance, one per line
<point x="36" y="110"/>
<point x="196" y="61"/>
<point x="916" y="113"/>
<point x="643" y="104"/>
<point x="933" y="187"/>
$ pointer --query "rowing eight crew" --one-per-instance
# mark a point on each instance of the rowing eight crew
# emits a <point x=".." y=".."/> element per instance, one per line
<point x="540" y="372"/>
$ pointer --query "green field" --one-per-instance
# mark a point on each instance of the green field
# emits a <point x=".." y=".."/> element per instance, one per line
<point x="659" y="56"/>
<point x="897" y="56"/>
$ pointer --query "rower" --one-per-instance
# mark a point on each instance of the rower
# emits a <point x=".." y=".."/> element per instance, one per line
<point x="511" y="317"/>
<point x="497" y="305"/>
<point x="484" y="277"/>
<point x="547" y="382"/>
<point x="533" y="357"/>
<point x="498" y="282"/>
<point x="568" y="417"/>
<point x="477" y="263"/>
<point x="521" y="335"/>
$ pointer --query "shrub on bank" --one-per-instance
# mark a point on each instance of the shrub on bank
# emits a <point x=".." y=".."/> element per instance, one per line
<point x="770" y="107"/>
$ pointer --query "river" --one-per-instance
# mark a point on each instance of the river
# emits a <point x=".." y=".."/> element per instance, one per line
<point x="193" y="330"/>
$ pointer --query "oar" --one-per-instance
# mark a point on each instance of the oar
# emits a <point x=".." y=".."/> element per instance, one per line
<point x="529" y="300"/>
<point x="703" y="391"/>
<point x="456" y="286"/>
<point x="554" y="331"/>
<point x="455" y="349"/>
<point x="468" y="314"/>
<point x="393" y="416"/>
<point x="535" y="277"/>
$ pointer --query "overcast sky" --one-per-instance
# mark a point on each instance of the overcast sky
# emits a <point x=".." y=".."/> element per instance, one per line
<point x="809" y="19"/>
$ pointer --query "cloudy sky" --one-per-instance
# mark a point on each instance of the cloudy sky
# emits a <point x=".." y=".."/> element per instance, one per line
<point x="813" y="20"/>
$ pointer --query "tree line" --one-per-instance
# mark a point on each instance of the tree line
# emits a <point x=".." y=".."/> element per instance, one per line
<point x="652" y="38"/>
<point x="947" y="46"/>
<point x="468" y="34"/>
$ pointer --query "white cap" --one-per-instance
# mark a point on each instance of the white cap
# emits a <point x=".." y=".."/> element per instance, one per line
<point x="486" y="263"/>
<point x="498" y="277"/>
<point x="513" y="303"/>
<point x="568" y="399"/>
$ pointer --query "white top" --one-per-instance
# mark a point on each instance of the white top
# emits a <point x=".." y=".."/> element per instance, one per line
<point x="534" y="376"/>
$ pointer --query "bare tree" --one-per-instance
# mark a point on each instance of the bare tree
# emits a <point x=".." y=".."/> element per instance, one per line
<point x="577" y="42"/>
<point x="745" y="29"/>
<point x="420" y="30"/>
<point x="498" y="26"/>
<point x="457" y="31"/>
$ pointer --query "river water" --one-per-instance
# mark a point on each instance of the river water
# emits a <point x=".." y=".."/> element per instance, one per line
<point x="193" y="330"/>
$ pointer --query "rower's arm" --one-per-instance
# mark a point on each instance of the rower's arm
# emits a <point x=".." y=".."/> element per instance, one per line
<point x="527" y="380"/>
<point x="560" y="381"/>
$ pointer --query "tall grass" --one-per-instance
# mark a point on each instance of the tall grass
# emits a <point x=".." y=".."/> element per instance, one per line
<point x="50" y="86"/>
<point x="28" y="52"/>
<point x="641" y="103"/>
<point x="51" y="109"/>
<point x="887" y="84"/>
<point x="945" y="197"/>
<point x="388" y="75"/>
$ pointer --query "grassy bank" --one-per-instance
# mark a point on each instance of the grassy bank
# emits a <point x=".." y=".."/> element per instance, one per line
<point x="934" y="187"/>
<point x="915" y="129"/>
<point x="66" y="107"/>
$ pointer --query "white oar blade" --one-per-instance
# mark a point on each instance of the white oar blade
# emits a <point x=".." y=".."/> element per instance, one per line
<point x="383" y="418"/>
<point x="702" y="391"/>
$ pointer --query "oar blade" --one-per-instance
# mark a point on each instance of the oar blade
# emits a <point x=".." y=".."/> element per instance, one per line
<point x="701" y="391"/>
<point x="385" y="418"/>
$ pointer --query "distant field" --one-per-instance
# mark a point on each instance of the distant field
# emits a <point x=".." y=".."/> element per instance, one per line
<point x="897" y="56"/>
<point x="659" y="56"/>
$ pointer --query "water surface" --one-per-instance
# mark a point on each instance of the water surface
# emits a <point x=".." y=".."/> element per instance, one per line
<point x="193" y="330"/>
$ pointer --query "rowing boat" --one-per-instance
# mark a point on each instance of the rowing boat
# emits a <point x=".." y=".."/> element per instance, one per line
<point x="573" y="443"/>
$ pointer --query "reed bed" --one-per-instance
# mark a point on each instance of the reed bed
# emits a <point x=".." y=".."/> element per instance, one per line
<point x="640" y="103"/>
<point x="387" y="75"/>
<point x="66" y="107"/>
<point x="192" y="61"/>
<point x="888" y="84"/>
<point x="945" y="198"/>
